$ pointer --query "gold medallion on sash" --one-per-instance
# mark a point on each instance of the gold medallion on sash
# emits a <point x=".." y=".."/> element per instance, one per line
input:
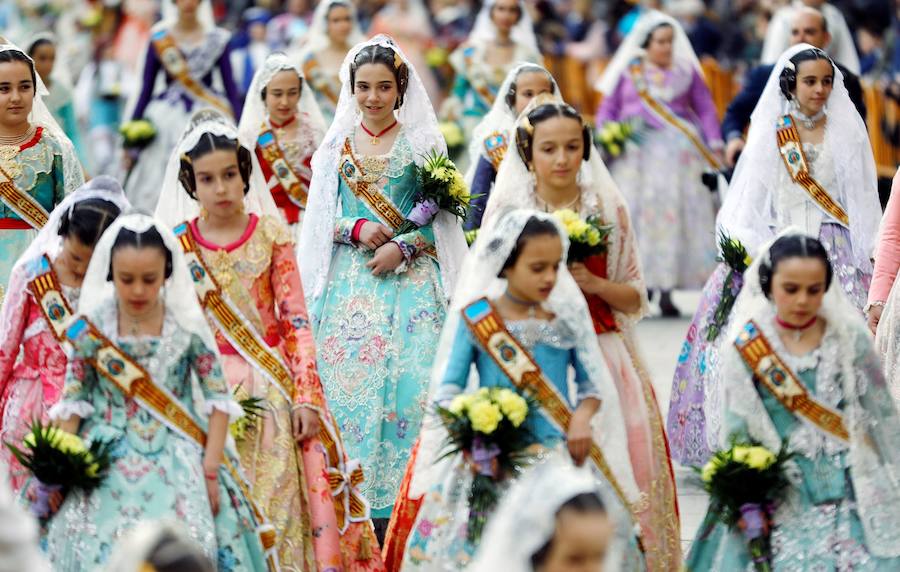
<point x="791" y="149"/>
<point x="19" y="201"/>
<point x="295" y="186"/>
<point x="519" y="366"/>
<point x="48" y="294"/>
<point x="663" y="112"/>
<point x="354" y="175"/>
<point x="773" y="374"/>
<point x="176" y="66"/>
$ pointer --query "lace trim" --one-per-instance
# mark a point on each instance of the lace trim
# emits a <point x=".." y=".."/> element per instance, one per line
<point x="396" y="159"/>
<point x="228" y="406"/>
<point x="533" y="331"/>
<point x="66" y="409"/>
<point x="34" y="160"/>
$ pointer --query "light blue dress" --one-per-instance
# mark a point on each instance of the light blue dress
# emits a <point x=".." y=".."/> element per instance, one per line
<point x="157" y="473"/>
<point x="376" y="336"/>
<point x="820" y="528"/>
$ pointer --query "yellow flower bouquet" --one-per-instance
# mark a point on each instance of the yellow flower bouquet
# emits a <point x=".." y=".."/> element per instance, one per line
<point x="453" y="135"/>
<point x="745" y="483"/>
<point x="441" y="187"/>
<point x="487" y="428"/>
<point x="61" y="462"/>
<point x="613" y="136"/>
<point x="587" y="237"/>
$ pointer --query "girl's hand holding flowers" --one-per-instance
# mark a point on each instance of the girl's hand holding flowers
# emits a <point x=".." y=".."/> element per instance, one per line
<point x="589" y="282"/>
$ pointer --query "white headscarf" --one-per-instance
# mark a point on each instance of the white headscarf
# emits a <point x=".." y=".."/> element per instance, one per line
<point x="748" y="212"/>
<point x="73" y="174"/>
<point x="205" y="15"/>
<point x="420" y="128"/>
<point x="175" y="205"/>
<point x="522" y="33"/>
<point x="871" y="417"/>
<point x="255" y="114"/>
<point x="632" y="47"/>
<point x="317" y="38"/>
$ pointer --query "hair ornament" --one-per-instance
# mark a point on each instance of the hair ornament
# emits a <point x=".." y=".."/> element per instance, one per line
<point x="789" y="65"/>
<point x="398" y="61"/>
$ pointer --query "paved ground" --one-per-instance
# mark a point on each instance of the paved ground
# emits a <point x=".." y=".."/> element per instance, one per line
<point x="660" y="341"/>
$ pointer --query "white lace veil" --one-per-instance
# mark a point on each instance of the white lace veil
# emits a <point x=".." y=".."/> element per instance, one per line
<point x="317" y="37"/>
<point x="73" y="174"/>
<point x="176" y="206"/>
<point x="254" y="115"/>
<point x="501" y="118"/>
<point x="632" y="47"/>
<point x="60" y="74"/>
<point x="420" y="128"/>
<point x="479" y="278"/>
<point x="522" y="33"/>
<point x="871" y="417"/>
<point x="205" y="14"/>
<point x="748" y="212"/>
<point x="526" y="520"/>
<point x="177" y="294"/>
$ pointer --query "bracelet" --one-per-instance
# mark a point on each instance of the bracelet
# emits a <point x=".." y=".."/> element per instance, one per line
<point x="211" y="475"/>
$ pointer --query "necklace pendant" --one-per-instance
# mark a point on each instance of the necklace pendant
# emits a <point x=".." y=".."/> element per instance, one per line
<point x="375" y="141"/>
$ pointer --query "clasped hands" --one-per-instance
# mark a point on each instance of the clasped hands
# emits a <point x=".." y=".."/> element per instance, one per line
<point x="388" y="256"/>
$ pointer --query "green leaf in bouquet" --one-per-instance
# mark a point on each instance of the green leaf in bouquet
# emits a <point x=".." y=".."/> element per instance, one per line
<point x="733" y="253"/>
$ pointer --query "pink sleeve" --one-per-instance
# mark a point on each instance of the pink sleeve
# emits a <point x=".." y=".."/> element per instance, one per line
<point x="611" y="106"/>
<point x="13" y="321"/>
<point x="293" y="318"/>
<point x="702" y="103"/>
<point x="887" y="257"/>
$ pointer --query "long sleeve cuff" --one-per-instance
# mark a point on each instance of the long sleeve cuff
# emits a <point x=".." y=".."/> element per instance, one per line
<point x="66" y="409"/>
<point x="227" y="406"/>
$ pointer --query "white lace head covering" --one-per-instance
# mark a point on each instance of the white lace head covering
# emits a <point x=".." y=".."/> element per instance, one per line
<point x="73" y="174"/>
<point x="748" y="212"/>
<point x="632" y="47"/>
<point x="177" y="294"/>
<point x="522" y="33"/>
<point x="60" y="73"/>
<point x="175" y="205"/>
<point x="479" y="278"/>
<point x="526" y="518"/>
<point x="869" y="413"/>
<point x="317" y="37"/>
<point x="501" y="118"/>
<point x="205" y="15"/>
<point x="312" y="123"/>
<point x="421" y="130"/>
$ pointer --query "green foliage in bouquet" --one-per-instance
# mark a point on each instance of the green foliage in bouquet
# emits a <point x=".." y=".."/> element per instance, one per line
<point x="735" y="255"/>
<point x="441" y="187"/>
<point x="613" y="136"/>
<point x="137" y="134"/>
<point x="253" y="409"/>
<point x="471" y="235"/>
<point x="56" y="457"/>
<point x="587" y="237"/>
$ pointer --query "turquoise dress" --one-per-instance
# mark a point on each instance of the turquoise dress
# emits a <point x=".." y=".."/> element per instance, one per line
<point x="36" y="169"/>
<point x="376" y="335"/>
<point x="157" y="473"/>
<point x="819" y="529"/>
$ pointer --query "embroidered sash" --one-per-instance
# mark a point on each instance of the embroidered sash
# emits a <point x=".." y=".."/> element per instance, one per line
<point x="773" y="374"/>
<point x="231" y="322"/>
<point x="295" y="185"/>
<point x="47" y="292"/>
<point x="21" y="203"/>
<point x="316" y="76"/>
<point x="176" y="66"/>
<point x="495" y="146"/>
<point x="354" y="175"/>
<point x="791" y="149"/>
<point x="661" y="110"/>
<point x="135" y="382"/>
<point x="489" y="330"/>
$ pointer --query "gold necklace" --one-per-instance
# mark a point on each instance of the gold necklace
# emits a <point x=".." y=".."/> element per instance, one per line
<point x="548" y="208"/>
<point x="18" y="140"/>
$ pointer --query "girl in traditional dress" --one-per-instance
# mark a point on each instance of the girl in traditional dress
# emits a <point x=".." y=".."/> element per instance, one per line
<point x="764" y="198"/>
<point x="35" y="156"/>
<point x="515" y="278"/>
<point x="502" y="38"/>
<point x="378" y="300"/>
<point x="334" y="30"/>
<point x="229" y="227"/>
<point x="31" y="386"/>
<point x="137" y="301"/>
<point x="281" y="115"/>
<point x="655" y="79"/>
<point x="882" y="309"/>
<point x="193" y="58"/>
<point x="556" y="167"/>
<point x="841" y="509"/>
<point x="491" y="137"/>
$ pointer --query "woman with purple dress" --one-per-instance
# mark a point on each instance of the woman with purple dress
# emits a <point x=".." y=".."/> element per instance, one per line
<point x="655" y="83"/>
<point x="192" y="56"/>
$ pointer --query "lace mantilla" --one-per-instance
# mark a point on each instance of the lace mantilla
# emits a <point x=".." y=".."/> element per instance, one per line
<point x="26" y="165"/>
<point x="390" y="164"/>
<point x="533" y="331"/>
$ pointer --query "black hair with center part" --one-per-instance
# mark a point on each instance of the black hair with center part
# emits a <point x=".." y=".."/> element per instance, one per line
<point x="207" y="144"/>
<point x="38" y="43"/>
<point x="378" y="54"/>
<point x="337" y="4"/>
<point x="793" y="246"/>
<point x="518" y="10"/>
<point x="533" y="227"/>
<point x="787" y="81"/>
<point x="541" y="113"/>
<point x="149" y="238"/>
<point x="9" y="56"/>
<point x="87" y="220"/>
<point x="655" y="29"/>
<point x="514" y="88"/>
<point x="265" y="88"/>
<point x="581" y="503"/>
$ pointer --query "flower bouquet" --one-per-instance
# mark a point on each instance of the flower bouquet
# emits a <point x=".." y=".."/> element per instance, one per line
<point x="587" y="237"/>
<point x="486" y="427"/>
<point x="61" y="462"/>
<point x="453" y="135"/>
<point x="734" y="254"/>
<point x="253" y="410"/>
<point x="441" y="187"/>
<point x="744" y="484"/>
<point x="613" y="136"/>
<point x="137" y="134"/>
